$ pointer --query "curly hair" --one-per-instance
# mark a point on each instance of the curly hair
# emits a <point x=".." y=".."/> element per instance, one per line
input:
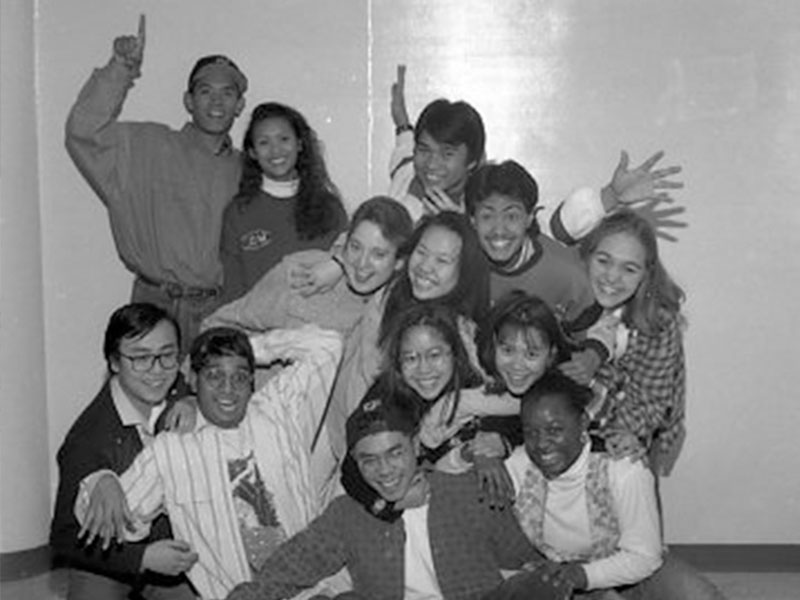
<point x="318" y="203"/>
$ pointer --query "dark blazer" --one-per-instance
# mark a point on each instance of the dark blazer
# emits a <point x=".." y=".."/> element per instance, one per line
<point x="97" y="440"/>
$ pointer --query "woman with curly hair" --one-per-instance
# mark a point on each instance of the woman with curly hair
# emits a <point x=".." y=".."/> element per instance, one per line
<point x="286" y="200"/>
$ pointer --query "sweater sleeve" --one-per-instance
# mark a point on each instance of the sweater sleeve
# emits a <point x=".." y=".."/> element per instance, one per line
<point x="98" y="143"/>
<point x="646" y="388"/>
<point x="639" y="551"/>
<point x="262" y="308"/>
<point x="76" y="459"/>
<point x="576" y="216"/>
<point x="300" y="563"/>
<point x="234" y="277"/>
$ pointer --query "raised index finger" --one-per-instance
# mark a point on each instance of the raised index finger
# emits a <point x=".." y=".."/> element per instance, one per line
<point x="140" y="35"/>
<point x="401" y="76"/>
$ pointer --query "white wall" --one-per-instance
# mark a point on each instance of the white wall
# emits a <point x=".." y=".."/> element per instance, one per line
<point x="563" y="87"/>
<point x="24" y="452"/>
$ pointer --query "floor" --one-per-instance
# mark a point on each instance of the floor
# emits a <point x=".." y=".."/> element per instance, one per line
<point x="736" y="586"/>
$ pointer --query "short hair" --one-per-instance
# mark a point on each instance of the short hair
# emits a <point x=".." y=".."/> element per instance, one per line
<point x="453" y="123"/>
<point x="554" y="383"/>
<point x="508" y="178"/>
<point x="389" y="215"/>
<point x="218" y="61"/>
<point x="133" y="321"/>
<point x="521" y="311"/>
<point x="657" y="293"/>
<point x="220" y="341"/>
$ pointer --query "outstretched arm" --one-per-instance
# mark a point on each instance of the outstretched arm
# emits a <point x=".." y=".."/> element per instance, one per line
<point x="642" y="188"/>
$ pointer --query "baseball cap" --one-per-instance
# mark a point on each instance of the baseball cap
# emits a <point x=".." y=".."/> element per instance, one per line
<point x="218" y="63"/>
<point x="376" y="415"/>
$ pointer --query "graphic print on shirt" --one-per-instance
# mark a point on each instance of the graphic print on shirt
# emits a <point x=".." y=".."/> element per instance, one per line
<point x="255" y="240"/>
<point x="261" y="531"/>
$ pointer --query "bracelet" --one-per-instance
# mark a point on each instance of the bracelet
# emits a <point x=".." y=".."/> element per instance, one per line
<point x="404" y="127"/>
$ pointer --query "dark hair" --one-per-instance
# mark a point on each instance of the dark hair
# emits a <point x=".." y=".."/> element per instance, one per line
<point x="453" y="123"/>
<point x="220" y="341"/>
<point x="554" y="383"/>
<point x="657" y="293"/>
<point x="508" y="178"/>
<point x="133" y="321"/>
<point x="470" y="297"/>
<point x="443" y="321"/>
<point x="318" y="205"/>
<point x="389" y="215"/>
<point x="521" y="311"/>
<point x="218" y="60"/>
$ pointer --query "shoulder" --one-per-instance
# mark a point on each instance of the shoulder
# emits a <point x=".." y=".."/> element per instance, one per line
<point x="556" y="252"/>
<point x="460" y="488"/>
<point x="625" y="471"/>
<point x="95" y="429"/>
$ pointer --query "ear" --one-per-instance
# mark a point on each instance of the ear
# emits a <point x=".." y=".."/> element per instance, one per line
<point x="399" y="264"/>
<point x="551" y="355"/>
<point x="529" y="219"/>
<point x="113" y="364"/>
<point x="239" y="105"/>
<point x="191" y="379"/>
<point x="585" y="420"/>
<point x="188" y="101"/>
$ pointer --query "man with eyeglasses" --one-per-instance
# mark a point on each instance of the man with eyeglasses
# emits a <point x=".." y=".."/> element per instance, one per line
<point x="141" y="349"/>
<point x="238" y="485"/>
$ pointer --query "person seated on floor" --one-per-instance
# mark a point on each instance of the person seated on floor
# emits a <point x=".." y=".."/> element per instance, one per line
<point x="234" y="488"/>
<point x="142" y="349"/>
<point x="447" y="545"/>
<point x="373" y="252"/>
<point x="595" y="519"/>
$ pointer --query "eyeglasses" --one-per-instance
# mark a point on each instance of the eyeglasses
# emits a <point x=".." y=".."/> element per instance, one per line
<point x="239" y="380"/>
<point x="141" y="363"/>
<point x="435" y="357"/>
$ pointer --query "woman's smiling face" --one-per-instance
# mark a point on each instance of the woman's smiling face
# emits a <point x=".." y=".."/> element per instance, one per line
<point x="616" y="269"/>
<point x="426" y="361"/>
<point x="434" y="264"/>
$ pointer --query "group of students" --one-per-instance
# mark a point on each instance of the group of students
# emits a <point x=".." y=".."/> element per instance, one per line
<point x="430" y="399"/>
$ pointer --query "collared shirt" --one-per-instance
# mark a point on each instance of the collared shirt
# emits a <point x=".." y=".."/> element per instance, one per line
<point x="132" y="416"/>
<point x="165" y="190"/>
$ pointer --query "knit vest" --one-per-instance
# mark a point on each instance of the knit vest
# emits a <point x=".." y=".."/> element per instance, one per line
<point x="603" y="524"/>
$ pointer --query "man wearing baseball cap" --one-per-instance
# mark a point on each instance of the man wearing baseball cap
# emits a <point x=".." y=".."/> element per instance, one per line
<point x="446" y="545"/>
<point x="165" y="189"/>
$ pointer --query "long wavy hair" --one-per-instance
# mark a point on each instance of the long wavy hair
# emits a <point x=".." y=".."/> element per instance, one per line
<point x="470" y="297"/>
<point x="657" y="293"/>
<point x="318" y="205"/>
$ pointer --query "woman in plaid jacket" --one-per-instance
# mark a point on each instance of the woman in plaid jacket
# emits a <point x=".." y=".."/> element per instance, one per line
<point x="641" y="387"/>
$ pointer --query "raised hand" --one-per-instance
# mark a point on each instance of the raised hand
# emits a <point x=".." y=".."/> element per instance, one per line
<point x="129" y="49"/>
<point x="437" y="200"/>
<point x="631" y="186"/>
<point x="168" y="557"/>
<point x="398" y="106"/>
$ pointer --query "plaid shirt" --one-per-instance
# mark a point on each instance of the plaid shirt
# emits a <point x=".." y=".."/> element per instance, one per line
<point x="470" y="543"/>
<point x="647" y="389"/>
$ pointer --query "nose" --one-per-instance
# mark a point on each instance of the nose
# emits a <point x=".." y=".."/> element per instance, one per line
<point x="361" y="260"/>
<point x="384" y="466"/>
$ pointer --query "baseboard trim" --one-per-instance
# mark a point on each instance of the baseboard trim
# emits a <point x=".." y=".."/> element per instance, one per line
<point x="746" y="558"/>
<point x="25" y="563"/>
<point x="741" y="558"/>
